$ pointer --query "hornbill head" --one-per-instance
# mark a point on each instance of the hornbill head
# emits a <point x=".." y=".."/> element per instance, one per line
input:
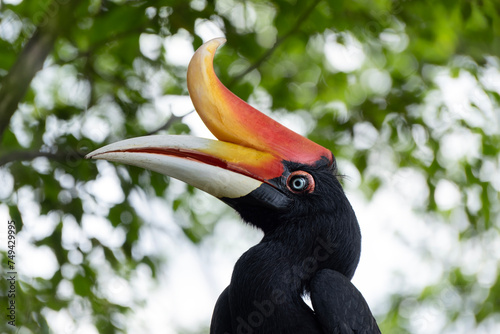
<point x="274" y="177"/>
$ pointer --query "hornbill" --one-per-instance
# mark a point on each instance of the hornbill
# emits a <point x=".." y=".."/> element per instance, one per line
<point x="280" y="182"/>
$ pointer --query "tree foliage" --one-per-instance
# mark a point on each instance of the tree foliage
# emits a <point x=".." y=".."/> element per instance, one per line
<point x="388" y="86"/>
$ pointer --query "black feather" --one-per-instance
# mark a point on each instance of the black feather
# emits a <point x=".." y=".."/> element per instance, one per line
<point x="312" y="235"/>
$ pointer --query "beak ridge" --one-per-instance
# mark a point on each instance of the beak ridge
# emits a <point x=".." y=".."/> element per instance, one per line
<point x="231" y="119"/>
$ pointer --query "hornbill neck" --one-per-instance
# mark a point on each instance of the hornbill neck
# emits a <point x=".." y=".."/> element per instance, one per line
<point x="265" y="290"/>
<point x="329" y="238"/>
<point x="273" y="275"/>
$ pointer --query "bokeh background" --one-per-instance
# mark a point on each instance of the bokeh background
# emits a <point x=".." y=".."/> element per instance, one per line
<point x="405" y="93"/>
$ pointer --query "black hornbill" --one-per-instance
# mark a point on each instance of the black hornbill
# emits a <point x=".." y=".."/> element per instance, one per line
<point x="285" y="185"/>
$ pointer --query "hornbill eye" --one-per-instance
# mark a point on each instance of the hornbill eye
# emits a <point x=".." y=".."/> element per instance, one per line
<point x="300" y="182"/>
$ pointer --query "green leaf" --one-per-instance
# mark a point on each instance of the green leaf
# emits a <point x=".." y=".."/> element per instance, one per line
<point x="82" y="285"/>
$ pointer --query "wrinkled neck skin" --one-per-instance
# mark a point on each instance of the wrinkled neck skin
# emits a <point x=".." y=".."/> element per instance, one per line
<point x="270" y="278"/>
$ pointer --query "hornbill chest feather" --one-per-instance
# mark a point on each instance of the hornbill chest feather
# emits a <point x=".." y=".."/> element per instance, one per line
<point x="280" y="182"/>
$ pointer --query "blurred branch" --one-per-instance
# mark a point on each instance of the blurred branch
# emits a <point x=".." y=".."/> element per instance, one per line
<point x="30" y="61"/>
<point x="103" y="42"/>
<point x="17" y="81"/>
<point x="301" y="19"/>
<point x="169" y="123"/>
<point x="30" y="155"/>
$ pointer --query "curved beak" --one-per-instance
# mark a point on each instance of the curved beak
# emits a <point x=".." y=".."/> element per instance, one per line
<point x="245" y="161"/>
